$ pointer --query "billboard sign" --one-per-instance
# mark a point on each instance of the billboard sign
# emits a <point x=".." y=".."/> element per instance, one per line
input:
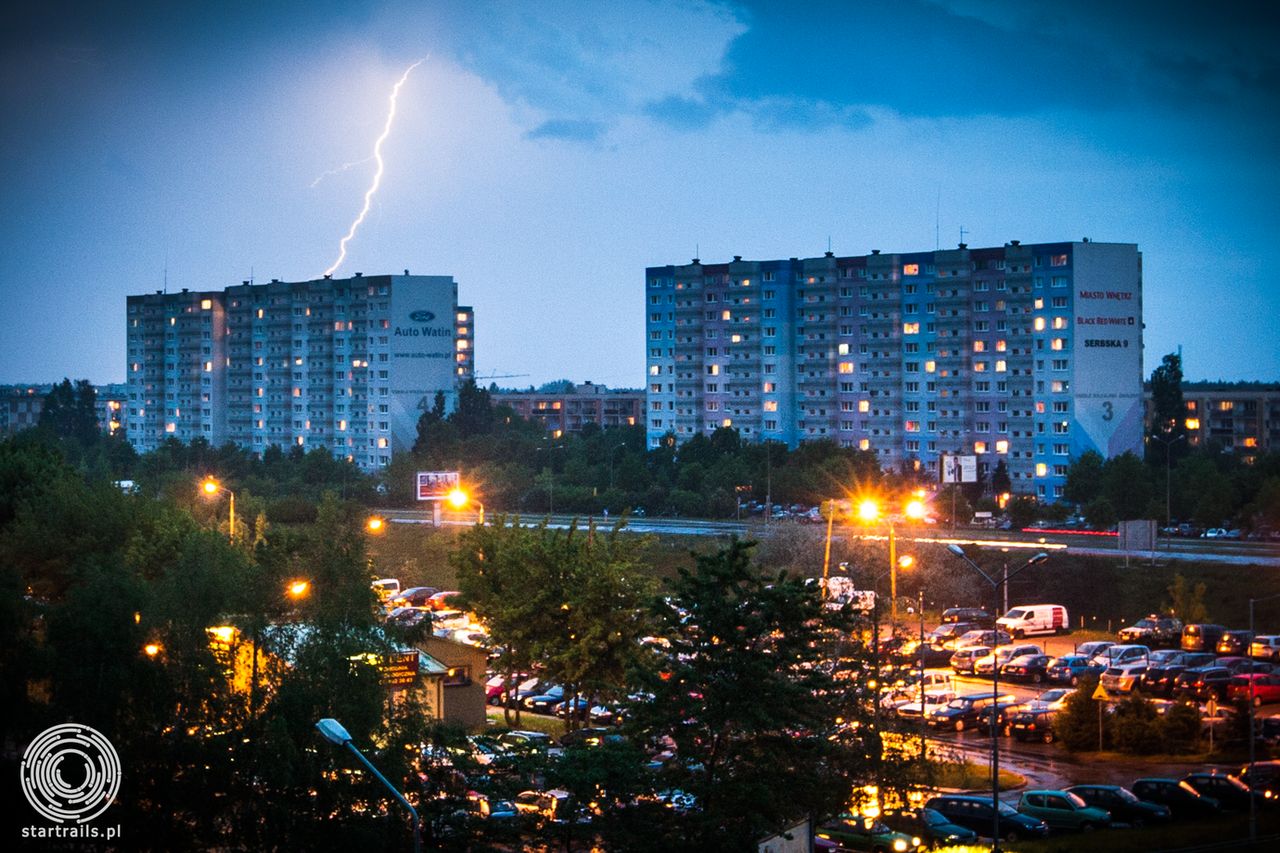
<point x="399" y="669"/>
<point x="959" y="469"/>
<point x="436" y="485"/>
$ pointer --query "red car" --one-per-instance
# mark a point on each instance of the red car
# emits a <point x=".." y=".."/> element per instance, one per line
<point x="1264" y="690"/>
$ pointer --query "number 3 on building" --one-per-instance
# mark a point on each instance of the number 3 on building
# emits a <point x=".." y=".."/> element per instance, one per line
<point x="1108" y="410"/>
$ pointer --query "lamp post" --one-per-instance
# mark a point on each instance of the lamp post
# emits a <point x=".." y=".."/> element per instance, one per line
<point x="458" y="498"/>
<point x="1168" y="441"/>
<point x="869" y="511"/>
<point x="336" y="734"/>
<point x="1253" y="735"/>
<point x="612" y="453"/>
<point x="211" y="487"/>
<point x="996" y="585"/>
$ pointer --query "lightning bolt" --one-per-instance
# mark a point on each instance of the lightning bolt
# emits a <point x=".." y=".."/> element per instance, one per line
<point x="377" y="176"/>
<point x="338" y="171"/>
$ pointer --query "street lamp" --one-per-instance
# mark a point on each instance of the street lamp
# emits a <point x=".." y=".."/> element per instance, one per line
<point x="336" y="734"/>
<point x="869" y="511"/>
<point x="612" y="453"/>
<point x="1168" y="441"/>
<point x="996" y="584"/>
<point x="458" y="499"/>
<point x="375" y="524"/>
<point x="211" y="487"/>
<point x="1253" y="735"/>
<point x="298" y="589"/>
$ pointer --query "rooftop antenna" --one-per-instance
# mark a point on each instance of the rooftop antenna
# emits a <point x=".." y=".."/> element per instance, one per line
<point x="251" y="273"/>
<point x="828" y="244"/>
<point x="963" y="231"/>
<point x="166" y="270"/>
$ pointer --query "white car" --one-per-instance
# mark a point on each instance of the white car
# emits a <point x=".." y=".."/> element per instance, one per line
<point x="933" y="700"/>
<point x="1002" y="655"/>
<point x="1123" y="678"/>
<point x="1052" y="700"/>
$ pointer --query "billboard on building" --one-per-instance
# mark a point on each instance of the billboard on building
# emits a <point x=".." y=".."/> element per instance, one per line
<point x="423" y="354"/>
<point x="959" y="469"/>
<point x="436" y="485"/>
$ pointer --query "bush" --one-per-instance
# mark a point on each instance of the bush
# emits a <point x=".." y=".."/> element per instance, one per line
<point x="291" y="510"/>
<point x="1135" y="727"/>
<point x="1180" y="728"/>
<point x="1076" y="725"/>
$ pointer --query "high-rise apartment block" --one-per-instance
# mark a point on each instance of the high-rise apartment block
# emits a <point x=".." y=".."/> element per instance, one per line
<point x="1030" y="354"/>
<point x="346" y="364"/>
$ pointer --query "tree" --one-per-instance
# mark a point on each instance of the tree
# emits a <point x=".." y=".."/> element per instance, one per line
<point x="71" y="412"/>
<point x="1000" y="482"/>
<point x="1076" y="725"/>
<point x="1187" y="602"/>
<point x="1084" y="478"/>
<point x="740" y="693"/>
<point x="1126" y="483"/>
<point x="1167" y="403"/>
<point x="1022" y="510"/>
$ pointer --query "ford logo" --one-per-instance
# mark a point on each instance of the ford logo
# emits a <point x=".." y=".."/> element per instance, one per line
<point x="422" y="316"/>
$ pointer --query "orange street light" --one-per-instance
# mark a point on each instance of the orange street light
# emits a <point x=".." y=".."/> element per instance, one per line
<point x="151" y="649"/>
<point x="375" y="524"/>
<point x="914" y="510"/>
<point x="868" y="510"/>
<point x="299" y="588"/>
<point x="458" y="498"/>
<point x="211" y="487"/>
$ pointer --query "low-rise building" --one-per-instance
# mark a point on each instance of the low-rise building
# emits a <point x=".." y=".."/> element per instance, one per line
<point x="569" y="409"/>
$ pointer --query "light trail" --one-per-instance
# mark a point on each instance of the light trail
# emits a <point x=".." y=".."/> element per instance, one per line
<point x="338" y="171"/>
<point x="377" y="177"/>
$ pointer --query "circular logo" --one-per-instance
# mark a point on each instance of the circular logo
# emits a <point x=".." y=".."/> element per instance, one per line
<point x="422" y="316"/>
<point x="70" y="773"/>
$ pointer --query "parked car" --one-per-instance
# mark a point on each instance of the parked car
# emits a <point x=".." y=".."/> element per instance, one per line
<point x="1093" y="648"/>
<point x="981" y="637"/>
<point x="949" y="632"/>
<point x="1000" y="714"/>
<point x="543" y="702"/>
<point x="1203" y="682"/>
<point x="866" y="834"/>
<point x="962" y="661"/>
<point x="555" y="805"/>
<point x="1120" y="655"/>
<point x="1123" y="678"/>
<point x="1033" y="724"/>
<point x="1237" y="665"/>
<point x="1069" y="669"/>
<point x="441" y="600"/>
<point x="976" y="813"/>
<point x="1052" y="699"/>
<point x="962" y="712"/>
<point x="1033" y="668"/>
<point x="1232" y="794"/>
<point x="1028" y="619"/>
<point x="1154" y="631"/>
<point x="1123" y="804"/>
<point x="386" y="588"/>
<point x="976" y="615"/>
<point x="929" y="825"/>
<point x="912" y="709"/>
<point x="409" y="617"/>
<point x="1002" y="655"/>
<point x="1161" y="676"/>
<point x="590" y="736"/>
<point x="1263" y="777"/>
<point x="416" y="596"/>
<point x="1200" y="637"/>
<point x="1265" y="647"/>
<point x="1184" y="801"/>
<point x="1063" y="810"/>
<point x="1234" y="643"/>
<point x="1259" y="688"/>
<point x="520" y="740"/>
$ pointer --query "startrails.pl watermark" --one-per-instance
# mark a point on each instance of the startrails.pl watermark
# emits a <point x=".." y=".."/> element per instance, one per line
<point x="70" y="774"/>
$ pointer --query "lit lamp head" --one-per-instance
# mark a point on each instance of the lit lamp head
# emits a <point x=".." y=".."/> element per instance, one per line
<point x="906" y="561"/>
<point x="375" y="524"/>
<point x="210" y="486"/>
<point x="151" y="649"/>
<point x="868" y="510"/>
<point x="299" y="588"/>
<point x="458" y="498"/>
<point x="914" y="509"/>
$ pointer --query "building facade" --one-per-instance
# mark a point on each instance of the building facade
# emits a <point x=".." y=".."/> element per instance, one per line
<point x="21" y="405"/>
<point x="1243" y="418"/>
<point x="344" y="364"/>
<point x="1029" y="354"/>
<point x="568" y="411"/>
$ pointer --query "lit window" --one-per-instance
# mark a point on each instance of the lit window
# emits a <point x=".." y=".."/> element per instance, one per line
<point x="462" y="316"/>
<point x="1250" y="442"/>
<point x="208" y="367"/>
<point x="979" y="346"/>
<point x="1001" y="366"/>
<point x="979" y="367"/>
<point x="864" y="444"/>
<point x="206" y="304"/>
<point x="1002" y="446"/>
<point x="259" y="313"/>
<point x="930" y="366"/>
<point x="911" y="269"/>
<point x="979" y="447"/>
<point x="713" y="370"/>
<point x="843" y="349"/>
<point x="1058" y="343"/>
<point x="770" y="387"/>
<point x="846" y="367"/>
<point x="1001" y="346"/>
<point x="771" y="405"/>
<point x="170" y="427"/>
<point x="654" y="370"/>
<point x="463" y="344"/>
<point x="1193" y="423"/>
<point x="382" y="442"/>
<point x="1039" y="324"/>
<point x="728" y="422"/>
<point x="1041" y="469"/>
<point x="864" y="405"/>
<point x="724" y="315"/>
<point x="342" y="425"/>
<point x="910" y="328"/>
<point x="1039" y="302"/>
<point x="462" y="330"/>
<point x="1226" y="405"/>
<point x="1059" y="322"/>
<point x="912" y="426"/>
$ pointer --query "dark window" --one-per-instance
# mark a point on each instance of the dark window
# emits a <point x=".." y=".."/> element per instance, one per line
<point x="457" y="676"/>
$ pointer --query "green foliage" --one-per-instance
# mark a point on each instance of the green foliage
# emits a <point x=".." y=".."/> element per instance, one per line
<point x="1166" y="398"/>
<point x="1186" y="601"/>
<point x="751" y="714"/>
<point x="1076" y="725"/>
<point x="1101" y="514"/>
<point x="1084" y="478"/>
<point x="1022" y="510"/>
<point x="1180" y="728"/>
<point x="1135" y="727"/>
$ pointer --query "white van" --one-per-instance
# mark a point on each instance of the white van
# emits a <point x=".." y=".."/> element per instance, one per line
<point x="386" y="588"/>
<point x="1027" y="619"/>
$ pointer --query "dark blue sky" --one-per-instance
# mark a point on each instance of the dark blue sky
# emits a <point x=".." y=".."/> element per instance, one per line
<point x="545" y="153"/>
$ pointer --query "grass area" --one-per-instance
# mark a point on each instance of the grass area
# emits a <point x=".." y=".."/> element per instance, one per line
<point x="968" y="776"/>
<point x="1231" y="831"/>
<point x="528" y="722"/>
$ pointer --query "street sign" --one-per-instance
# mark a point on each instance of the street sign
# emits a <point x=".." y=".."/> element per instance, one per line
<point x="1101" y="694"/>
<point x="1211" y="707"/>
<point x="436" y="485"/>
<point x="399" y="669"/>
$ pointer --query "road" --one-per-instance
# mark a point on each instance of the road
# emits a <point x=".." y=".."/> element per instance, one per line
<point x="1236" y="552"/>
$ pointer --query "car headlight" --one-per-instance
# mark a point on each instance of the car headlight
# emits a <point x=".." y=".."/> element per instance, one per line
<point x="900" y="845"/>
<point x="915" y="842"/>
